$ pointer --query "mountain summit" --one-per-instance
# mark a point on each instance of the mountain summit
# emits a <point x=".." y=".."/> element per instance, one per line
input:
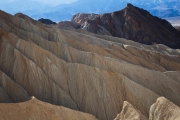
<point x="131" y="23"/>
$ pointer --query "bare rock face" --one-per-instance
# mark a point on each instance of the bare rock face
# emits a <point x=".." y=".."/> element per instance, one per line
<point x="163" y="109"/>
<point x="38" y="110"/>
<point x="130" y="113"/>
<point x="83" y="71"/>
<point x="131" y="23"/>
<point x="83" y="17"/>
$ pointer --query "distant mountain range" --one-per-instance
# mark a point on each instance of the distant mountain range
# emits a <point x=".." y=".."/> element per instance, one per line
<point x="30" y="7"/>
<point x="175" y="21"/>
<point x="160" y="8"/>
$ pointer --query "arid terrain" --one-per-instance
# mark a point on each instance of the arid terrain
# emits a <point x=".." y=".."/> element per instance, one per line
<point x="74" y="74"/>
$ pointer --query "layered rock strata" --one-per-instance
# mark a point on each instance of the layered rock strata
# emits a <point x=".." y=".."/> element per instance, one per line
<point x="83" y="71"/>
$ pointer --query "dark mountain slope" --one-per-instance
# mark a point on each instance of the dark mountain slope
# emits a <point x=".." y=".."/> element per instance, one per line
<point x="131" y="23"/>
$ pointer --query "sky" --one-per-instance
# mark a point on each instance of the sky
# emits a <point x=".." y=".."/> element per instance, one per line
<point x="49" y="2"/>
<point x="55" y="2"/>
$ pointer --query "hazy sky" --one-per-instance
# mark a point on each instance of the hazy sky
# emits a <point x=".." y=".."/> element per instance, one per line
<point x="55" y="2"/>
<point x="49" y="2"/>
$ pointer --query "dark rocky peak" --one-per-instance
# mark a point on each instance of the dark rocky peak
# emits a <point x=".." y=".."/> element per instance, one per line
<point x="46" y="21"/>
<point x="132" y="23"/>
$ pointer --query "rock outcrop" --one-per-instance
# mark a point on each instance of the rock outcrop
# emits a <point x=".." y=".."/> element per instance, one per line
<point x="130" y="113"/>
<point x="131" y="23"/>
<point x="46" y="21"/>
<point x="83" y="71"/>
<point x="163" y="109"/>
